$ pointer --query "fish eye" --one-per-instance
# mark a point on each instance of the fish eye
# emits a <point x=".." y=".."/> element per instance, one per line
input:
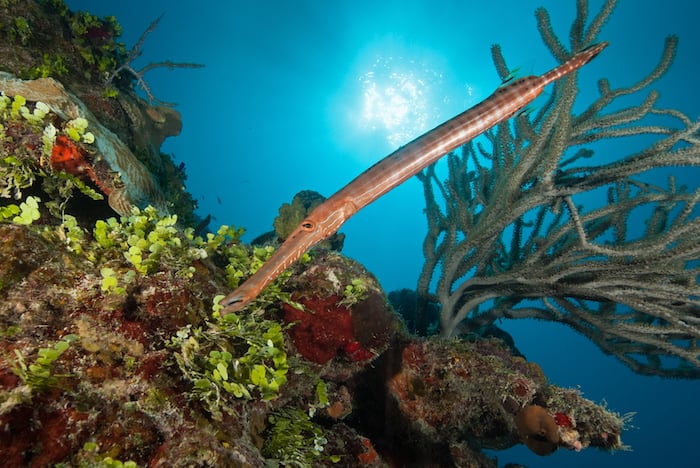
<point x="307" y="225"/>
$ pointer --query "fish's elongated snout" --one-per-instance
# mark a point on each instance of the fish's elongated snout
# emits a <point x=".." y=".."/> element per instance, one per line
<point x="590" y="52"/>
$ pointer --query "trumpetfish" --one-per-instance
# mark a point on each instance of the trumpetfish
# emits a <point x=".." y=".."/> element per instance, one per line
<point x="398" y="167"/>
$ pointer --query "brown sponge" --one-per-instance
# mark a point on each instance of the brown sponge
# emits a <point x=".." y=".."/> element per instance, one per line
<point x="537" y="429"/>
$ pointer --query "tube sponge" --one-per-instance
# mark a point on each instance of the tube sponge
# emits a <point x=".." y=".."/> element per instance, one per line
<point x="537" y="429"/>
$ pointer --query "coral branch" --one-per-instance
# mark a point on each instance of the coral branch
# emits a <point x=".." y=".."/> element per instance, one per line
<point x="135" y="53"/>
<point x="507" y="236"/>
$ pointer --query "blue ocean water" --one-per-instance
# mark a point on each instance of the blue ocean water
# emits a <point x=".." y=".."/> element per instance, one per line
<point x="307" y="94"/>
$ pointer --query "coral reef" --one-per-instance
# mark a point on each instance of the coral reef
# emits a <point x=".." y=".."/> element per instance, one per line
<point x="344" y="311"/>
<point x="137" y="186"/>
<point x="61" y="62"/>
<point x="508" y="236"/>
<point x="117" y="382"/>
<point x="452" y="392"/>
<point x="113" y="350"/>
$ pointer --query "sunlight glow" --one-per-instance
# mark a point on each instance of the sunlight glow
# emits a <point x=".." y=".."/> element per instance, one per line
<point x="398" y="98"/>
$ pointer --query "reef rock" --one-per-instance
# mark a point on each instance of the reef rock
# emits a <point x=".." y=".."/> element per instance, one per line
<point x="345" y="313"/>
<point x="140" y="188"/>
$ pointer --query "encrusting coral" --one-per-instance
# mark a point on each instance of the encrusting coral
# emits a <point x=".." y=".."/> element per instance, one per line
<point x="508" y="236"/>
<point x="345" y="312"/>
<point x="444" y="392"/>
<point x="139" y="187"/>
<point x="146" y="351"/>
<point x="113" y="348"/>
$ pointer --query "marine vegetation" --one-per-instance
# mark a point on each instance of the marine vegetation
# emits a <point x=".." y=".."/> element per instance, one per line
<point x="510" y="237"/>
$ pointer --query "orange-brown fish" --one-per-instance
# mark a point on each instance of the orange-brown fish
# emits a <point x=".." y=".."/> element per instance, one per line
<point x="399" y="166"/>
